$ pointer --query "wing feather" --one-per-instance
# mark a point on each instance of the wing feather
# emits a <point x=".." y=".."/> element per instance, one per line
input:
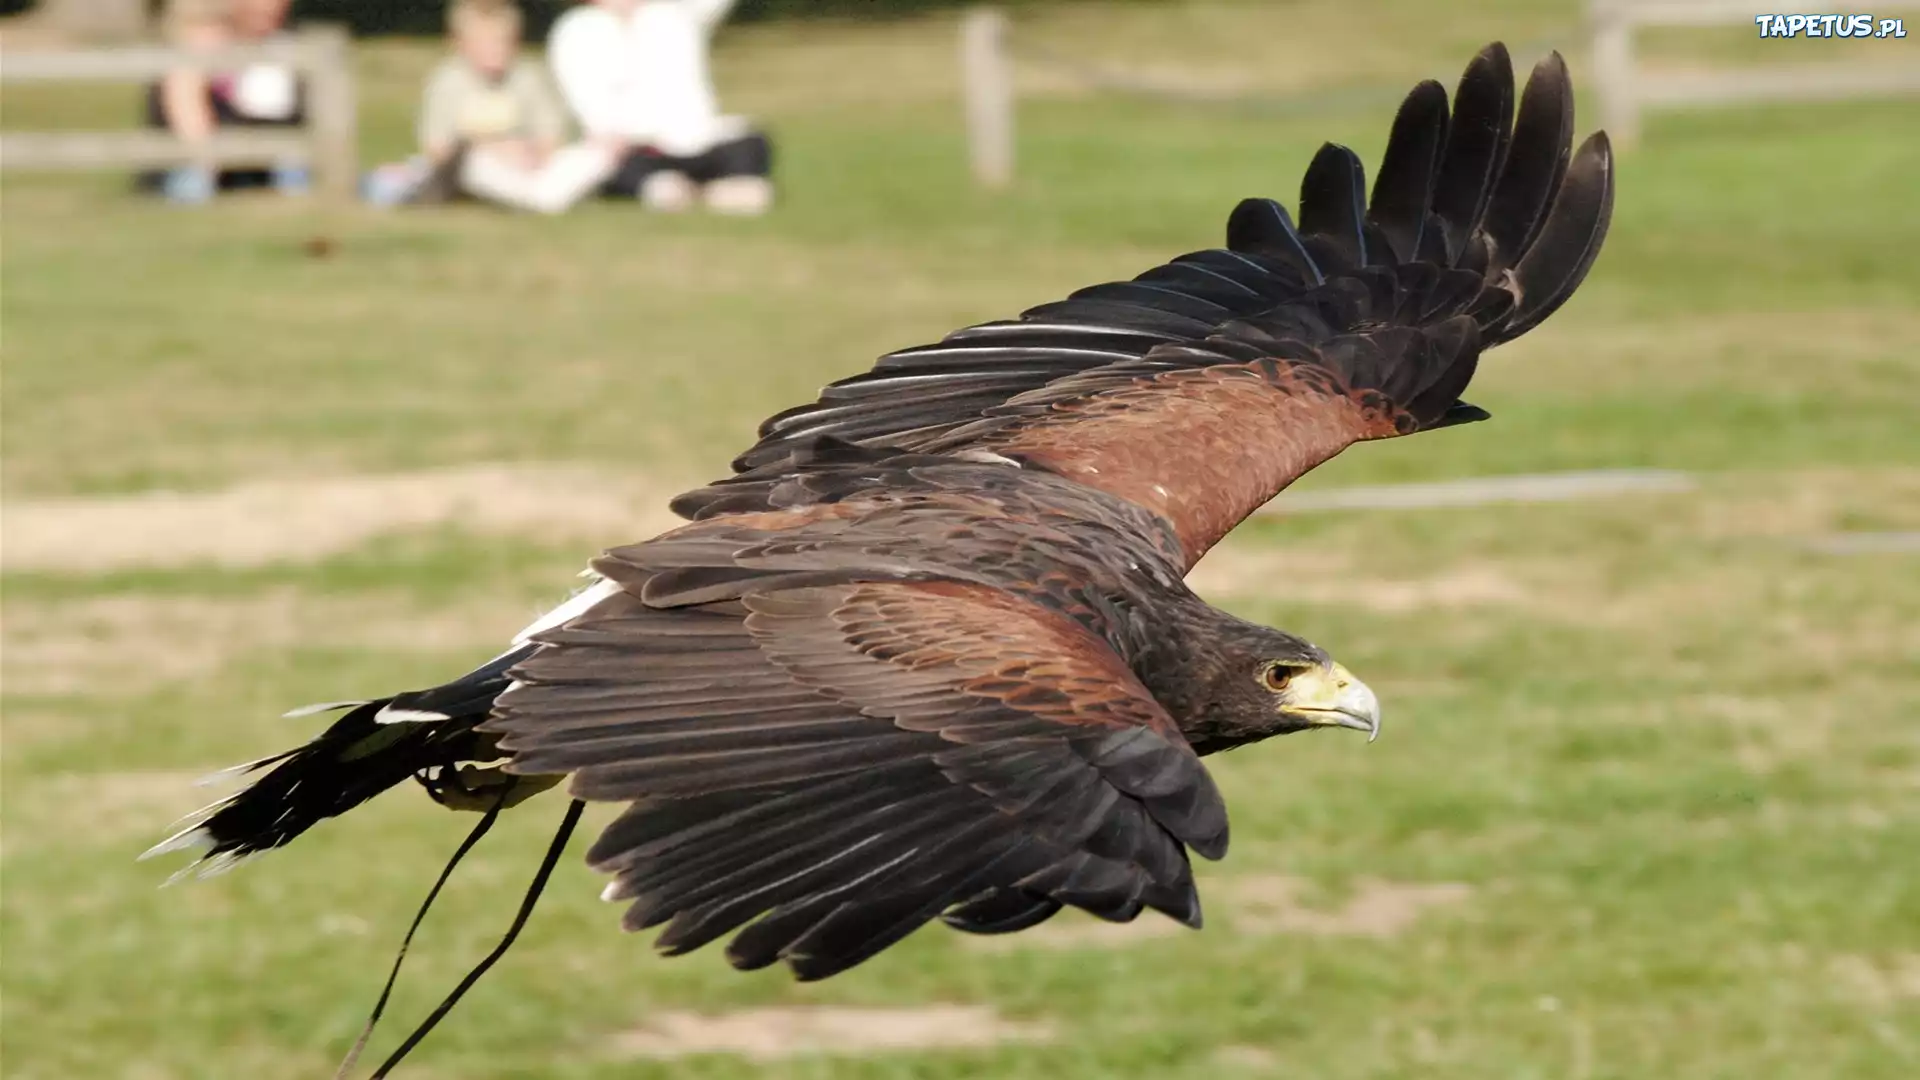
<point x="1403" y="190"/>
<point x="1333" y="207"/>
<point x="819" y="770"/>
<point x="1363" y="320"/>
<point x="1476" y="148"/>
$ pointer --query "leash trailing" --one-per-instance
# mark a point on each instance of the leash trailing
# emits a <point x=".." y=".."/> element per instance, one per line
<point x="527" y="902"/>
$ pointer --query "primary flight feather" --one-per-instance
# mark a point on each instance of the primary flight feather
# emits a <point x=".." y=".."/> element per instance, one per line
<point x="928" y="654"/>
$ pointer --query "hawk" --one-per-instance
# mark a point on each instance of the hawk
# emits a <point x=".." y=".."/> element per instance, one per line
<point x="928" y="653"/>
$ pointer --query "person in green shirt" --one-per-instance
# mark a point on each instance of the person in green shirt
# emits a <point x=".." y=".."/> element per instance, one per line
<point x="491" y="125"/>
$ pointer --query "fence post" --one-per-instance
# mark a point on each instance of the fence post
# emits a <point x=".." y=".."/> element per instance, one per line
<point x="331" y="110"/>
<point x="1612" y="23"/>
<point x="987" y="82"/>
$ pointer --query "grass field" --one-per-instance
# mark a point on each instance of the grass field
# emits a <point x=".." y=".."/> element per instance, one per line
<point x="1648" y="797"/>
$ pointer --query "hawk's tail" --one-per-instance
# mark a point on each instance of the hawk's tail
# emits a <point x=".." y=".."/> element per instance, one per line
<point x="425" y="735"/>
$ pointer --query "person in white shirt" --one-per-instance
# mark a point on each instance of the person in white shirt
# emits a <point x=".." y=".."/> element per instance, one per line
<point x="634" y="73"/>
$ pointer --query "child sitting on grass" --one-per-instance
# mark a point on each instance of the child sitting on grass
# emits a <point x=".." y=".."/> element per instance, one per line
<point x="491" y="126"/>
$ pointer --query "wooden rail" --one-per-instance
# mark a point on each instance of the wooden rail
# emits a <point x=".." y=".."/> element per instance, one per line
<point x="1626" y="92"/>
<point x="326" y="142"/>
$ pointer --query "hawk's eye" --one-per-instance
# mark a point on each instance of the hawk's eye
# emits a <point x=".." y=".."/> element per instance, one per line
<point x="1276" y="677"/>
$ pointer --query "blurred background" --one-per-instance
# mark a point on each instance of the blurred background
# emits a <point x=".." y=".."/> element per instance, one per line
<point x="1650" y="788"/>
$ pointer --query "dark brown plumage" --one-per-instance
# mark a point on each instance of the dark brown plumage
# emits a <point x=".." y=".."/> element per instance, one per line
<point x="928" y="654"/>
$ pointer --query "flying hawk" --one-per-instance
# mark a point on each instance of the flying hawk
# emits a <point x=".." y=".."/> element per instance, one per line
<point x="928" y="654"/>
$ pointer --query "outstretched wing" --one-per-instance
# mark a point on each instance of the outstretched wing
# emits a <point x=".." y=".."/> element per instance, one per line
<point x="838" y="764"/>
<point x="1203" y="387"/>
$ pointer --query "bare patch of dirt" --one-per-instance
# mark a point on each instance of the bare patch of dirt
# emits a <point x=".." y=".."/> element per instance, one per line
<point x="1722" y="350"/>
<point x="1880" y="983"/>
<point x="132" y="643"/>
<point x="1234" y="570"/>
<point x="1461" y="587"/>
<point x="120" y="805"/>
<point x="1241" y="1058"/>
<point x="295" y="521"/>
<point x="1807" y="503"/>
<point x="1771" y="733"/>
<point x="1253" y="905"/>
<point x="119" y="645"/>
<point x="1076" y="930"/>
<point x="1379" y="909"/>
<point x="1240" y="568"/>
<point x="769" y="1033"/>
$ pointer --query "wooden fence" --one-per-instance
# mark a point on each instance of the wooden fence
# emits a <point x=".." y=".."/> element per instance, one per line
<point x="1626" y="92"/>
<point x="987" y="56"/>
<point x="104" y="20"/>
<point x="326" y="142"/>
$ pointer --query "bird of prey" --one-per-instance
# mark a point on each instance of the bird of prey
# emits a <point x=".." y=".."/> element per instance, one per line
<point x="928" y="654"/>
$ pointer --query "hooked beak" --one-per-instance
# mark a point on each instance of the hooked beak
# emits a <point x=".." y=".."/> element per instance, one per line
<point x="1332" y="697"/>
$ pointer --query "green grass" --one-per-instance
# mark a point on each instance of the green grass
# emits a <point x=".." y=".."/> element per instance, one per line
<point x="1672" y="752"/>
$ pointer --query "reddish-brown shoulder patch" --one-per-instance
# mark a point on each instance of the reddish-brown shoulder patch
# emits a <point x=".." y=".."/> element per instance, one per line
<point x="1205" y="447"/>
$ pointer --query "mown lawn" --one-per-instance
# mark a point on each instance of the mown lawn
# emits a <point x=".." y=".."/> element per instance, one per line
<point x="1653" y="760"/>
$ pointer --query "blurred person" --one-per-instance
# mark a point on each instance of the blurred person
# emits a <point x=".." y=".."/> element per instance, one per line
<point x="491" y="126"/>
<point x="193" y="103"/>
<point x="635" y="74"/>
